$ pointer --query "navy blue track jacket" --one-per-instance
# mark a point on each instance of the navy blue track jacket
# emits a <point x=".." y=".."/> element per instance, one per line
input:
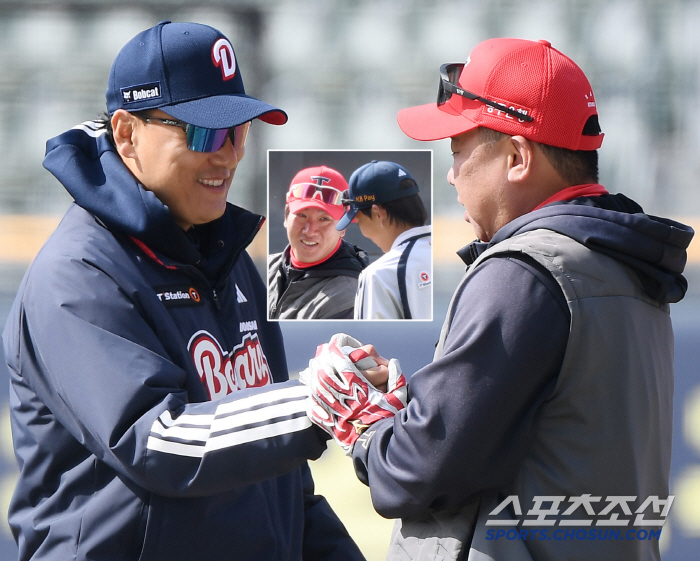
<point x="151" y="410"/>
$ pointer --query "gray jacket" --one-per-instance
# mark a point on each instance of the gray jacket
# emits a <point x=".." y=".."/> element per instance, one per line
<point x="325" y="291"/>
<point x="617" y="372"/>
<point x="552" y="378"/>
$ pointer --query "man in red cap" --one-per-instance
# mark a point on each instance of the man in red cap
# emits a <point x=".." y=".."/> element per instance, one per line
<point x="542" y="429"/>
<point x="315" y="277"/>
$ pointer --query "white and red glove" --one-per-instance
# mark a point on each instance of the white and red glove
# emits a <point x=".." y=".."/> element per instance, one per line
<point x="343" y="402"/>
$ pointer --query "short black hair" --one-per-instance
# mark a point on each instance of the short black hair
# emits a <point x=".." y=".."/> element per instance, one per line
<point x="106" y="121"/>
<point x="576" y="167"/>
<point x="408" y="211"/>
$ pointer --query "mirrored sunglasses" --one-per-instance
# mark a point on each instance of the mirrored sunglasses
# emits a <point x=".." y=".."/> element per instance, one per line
<point x="201" y="139"/>
<point x="328" y="195"/>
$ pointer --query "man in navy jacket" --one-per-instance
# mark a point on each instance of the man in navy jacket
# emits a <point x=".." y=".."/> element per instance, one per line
<point x="152" y="414"/>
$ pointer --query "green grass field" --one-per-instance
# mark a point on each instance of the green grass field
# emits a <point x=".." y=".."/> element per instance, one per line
<point x="335" y="479"/>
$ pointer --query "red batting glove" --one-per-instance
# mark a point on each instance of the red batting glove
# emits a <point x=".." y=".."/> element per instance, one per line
<point x="343" y="402"/>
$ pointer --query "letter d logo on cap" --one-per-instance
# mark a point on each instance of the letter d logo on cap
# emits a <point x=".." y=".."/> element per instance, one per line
<point x="223" y="57"/>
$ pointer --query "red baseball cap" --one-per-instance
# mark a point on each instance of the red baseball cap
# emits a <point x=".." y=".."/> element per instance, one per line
<point x="506" y="78"/>
<point x="320" y="187"/>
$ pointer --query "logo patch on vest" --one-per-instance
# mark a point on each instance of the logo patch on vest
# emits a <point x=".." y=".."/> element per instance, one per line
<point x="133" y="94"/>
<point x="424" y="281"/>
<point x="174" y="297"/>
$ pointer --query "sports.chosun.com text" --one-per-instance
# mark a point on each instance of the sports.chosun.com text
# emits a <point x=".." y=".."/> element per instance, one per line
<point x="562" y="534"/>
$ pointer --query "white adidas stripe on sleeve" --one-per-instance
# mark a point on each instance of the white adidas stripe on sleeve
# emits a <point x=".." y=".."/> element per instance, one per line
<point x="257" y="417"/>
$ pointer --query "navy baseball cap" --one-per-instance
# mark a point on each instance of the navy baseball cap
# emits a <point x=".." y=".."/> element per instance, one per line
<point x="188" y="70"/>
<point x="375" y="183"/>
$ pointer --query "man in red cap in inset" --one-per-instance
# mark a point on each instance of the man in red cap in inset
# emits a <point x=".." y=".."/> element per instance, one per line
<point x="542" y="429"/>
<point x="315" y="277"/>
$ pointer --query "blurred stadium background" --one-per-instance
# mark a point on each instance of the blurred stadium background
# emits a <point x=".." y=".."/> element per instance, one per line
<point x="342" y="71"/>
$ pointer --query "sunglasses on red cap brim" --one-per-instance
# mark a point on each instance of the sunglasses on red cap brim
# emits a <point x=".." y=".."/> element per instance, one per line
<point x="326" y="194"/>
<point x="449" y="84"/>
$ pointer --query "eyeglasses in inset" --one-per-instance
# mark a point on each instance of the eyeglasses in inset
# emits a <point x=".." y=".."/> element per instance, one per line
<point x="449" y="84"/>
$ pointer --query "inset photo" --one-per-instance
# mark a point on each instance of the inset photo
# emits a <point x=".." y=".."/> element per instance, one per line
<point x="350" y="234"/>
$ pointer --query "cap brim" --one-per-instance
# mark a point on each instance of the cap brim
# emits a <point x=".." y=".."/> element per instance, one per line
<point x="295" y="205"/>
<point x="430" y="122"/>
<point x="224" y="111"/>
<point x="346" y="219"/>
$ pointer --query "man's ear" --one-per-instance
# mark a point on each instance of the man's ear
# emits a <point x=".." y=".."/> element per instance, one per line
<point x="123" y="124"/>
<point x="380" y="212"/>
<point x="520" y="158"/>
<point x="342" y="232"/>
<point x="286" y="215"/>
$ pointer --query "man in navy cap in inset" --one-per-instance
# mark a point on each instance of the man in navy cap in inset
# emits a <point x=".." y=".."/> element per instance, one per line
<point x="151" y="409"/>
<point x="383" y="199"/>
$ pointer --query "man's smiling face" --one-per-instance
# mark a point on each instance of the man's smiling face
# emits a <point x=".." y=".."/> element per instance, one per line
<point x="312" y="234"/>
<point x="193" y="185"/>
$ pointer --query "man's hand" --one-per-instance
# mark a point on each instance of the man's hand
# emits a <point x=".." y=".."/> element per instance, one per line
<point x="343" y="401"/>
<point x="378" y="373"/>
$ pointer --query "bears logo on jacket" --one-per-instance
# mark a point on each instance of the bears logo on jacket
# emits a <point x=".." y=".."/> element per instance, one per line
<point x="224" y="372"/>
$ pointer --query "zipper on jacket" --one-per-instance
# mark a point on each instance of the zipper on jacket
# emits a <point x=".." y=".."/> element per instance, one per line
<point x="217" y="302"/>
